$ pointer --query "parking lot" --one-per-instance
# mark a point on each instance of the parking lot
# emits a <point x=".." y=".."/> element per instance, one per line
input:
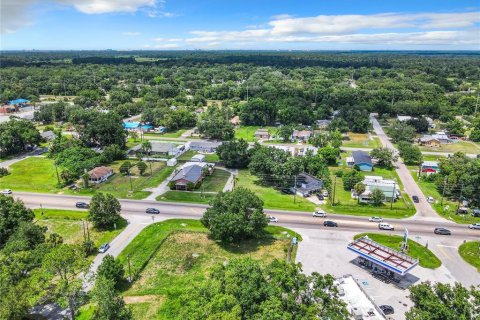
<point x="325" y="251"/>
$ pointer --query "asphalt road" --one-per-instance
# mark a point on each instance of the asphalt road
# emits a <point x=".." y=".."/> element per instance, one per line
<point x="134" y="210"/>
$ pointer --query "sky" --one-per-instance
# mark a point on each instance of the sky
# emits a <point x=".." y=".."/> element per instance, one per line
<point x="244" y="25"/>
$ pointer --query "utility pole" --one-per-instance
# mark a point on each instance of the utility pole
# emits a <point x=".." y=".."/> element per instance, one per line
<point x="444" y="187"/>
<point x="334" y="190"/>
<point x="393" y="195"/>
<point x="56" y="170"/>
<point x="129" y="269"/>
<point x="459" y="198"/>
<point x="295" y="190"/>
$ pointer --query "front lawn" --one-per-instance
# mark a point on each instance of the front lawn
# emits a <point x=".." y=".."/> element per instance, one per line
<point x="247" y="133"/>
<point x="215" y="182"/>
<point x="360" y="140"/>
<point x="166" y="258"/>
<point x="470" y="252"/>
<point x="172" y="134"/>
<point x="426" y="257"/>
<point x="272" y="199"/>
<point x="461" y="146"/>
<point x="209" y="157"/>
<point x="34" y="174"/>
<point x="186" y="196"/>
<point x="68" y="224"/>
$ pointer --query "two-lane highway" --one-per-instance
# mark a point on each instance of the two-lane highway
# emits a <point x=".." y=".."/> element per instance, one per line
<point x="135" y="209"/>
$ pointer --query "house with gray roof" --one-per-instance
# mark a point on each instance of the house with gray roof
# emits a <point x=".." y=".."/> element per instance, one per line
<point x="203" y="146"/>
<point x="190" y="175"/>
<point x="308" y="184"/>
<point x="361" y="159"/>
<point x="159" y="148"/>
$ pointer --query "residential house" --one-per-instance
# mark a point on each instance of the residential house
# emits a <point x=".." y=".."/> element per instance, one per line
<point x="203" y="146"/>
<point x="262" y="134"/>
<point x="430" y="167"/>
<point x="431" y="124"/>
<point x="389" y="188"/>
<point x="99" y="174"/>
<point x="361" y="159"/>
<point x="301" y="135"/>
<point x="190" y="174"/>
<point x="323" y="124"/>
<point x="159" y="149"/>
<point x="404" y="118"/>
<point x="308" y="184"/>
<point x="429" y="141"/>
<point x="198" y="158"/>
<point x="48" y="135"/>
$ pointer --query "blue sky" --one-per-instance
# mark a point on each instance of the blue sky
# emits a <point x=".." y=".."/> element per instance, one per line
<point x="232" y="24"/>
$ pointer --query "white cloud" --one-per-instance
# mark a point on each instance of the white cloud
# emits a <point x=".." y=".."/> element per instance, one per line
<point x="419" y="28"/>
<point x="131" y="33"/>
<point x="167" y="46"/>
<point x="16" y="14"/>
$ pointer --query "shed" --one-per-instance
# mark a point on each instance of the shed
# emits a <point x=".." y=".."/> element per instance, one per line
<point x="172" y="162"/>
<point x="198" y="158"/>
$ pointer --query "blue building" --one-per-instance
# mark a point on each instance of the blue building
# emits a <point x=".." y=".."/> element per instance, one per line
<point x="361" y="159"/>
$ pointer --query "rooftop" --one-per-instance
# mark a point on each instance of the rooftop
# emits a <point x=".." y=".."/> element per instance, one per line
<point x="360" y="157"/>
<point x="192" y="173"/>
<point x="99" y="172"/>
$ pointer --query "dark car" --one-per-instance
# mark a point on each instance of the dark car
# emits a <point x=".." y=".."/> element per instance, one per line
<point x="415" y="199"/>
<point x="152" y="211"/>
<point x="81" y="205"/>
<point x="320" y="196"/>
<point x="442" y="231"/>
<point x="386" y="309"/>
<point x="330" y="223"/>
<point x="287" y="191"/>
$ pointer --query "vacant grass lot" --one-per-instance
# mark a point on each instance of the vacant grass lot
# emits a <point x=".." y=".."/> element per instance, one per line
<point x="360" y="140"/>
<point x="248" y="132"/>
<point x="187" y="156"/>
<point x="68" y="224"/>
<point x="470" y="252"/>
<point x="426" y="258"/>
<point x="215" y="182"/>
<point x="448" y="208"/>
<point x="461" y="146"/>
<point x="172" y="134"/>
<point x="186" y="196"/>
<point x="34" y="174"/>
<point x="272" y="199"/>
<point x="168" y="257"/>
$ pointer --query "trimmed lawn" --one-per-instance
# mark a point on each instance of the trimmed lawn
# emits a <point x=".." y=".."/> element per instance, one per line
<point x="173" y="134"/>
<point x="209" y="157"/>
<point x="426" y="257"/>
<point x="470" y="252"/>
<point x="166" y="258"/>
<point x="462" y="146"/>
<point x="186" y="196"/>
<point x="272" y="199"/>
<point x="68" y="224"/>
<point x="248" y="132"/>
<point x="360" y="140"/>
<point x="34" y="174"/>
<point x="448" y="208"/>
<point x="215" y="182"/>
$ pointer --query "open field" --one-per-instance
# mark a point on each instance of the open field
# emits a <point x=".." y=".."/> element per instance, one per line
<point x="167" y="257"/>
<point x="426" y="257"/>
<point x="360" y="140"/>
<point x="470" y="252"/>
<point x="186" y="196"/>
<point x="172" y="134"/>
<point x="209" y="157"/>
<point x="461" y="146"/>
<point x="248" y="132"/>
<point x="272" y="199"/>
<point x="68" y="224"/>
<point x="448" y="208"/>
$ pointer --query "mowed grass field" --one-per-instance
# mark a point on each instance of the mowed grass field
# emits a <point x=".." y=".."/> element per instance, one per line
<point x="248" y="132"/>
<point x="360" y="140"/>
<point x="209" y="157"/>
<point x="68" y="224"/>
<point x="470" y="252"/>
<point x="166" y="258"/>
<point x="272" y="199"/>
<point x="426" y="257"/>
<point x="34" y="174"/>
<point x="461" y="146"/>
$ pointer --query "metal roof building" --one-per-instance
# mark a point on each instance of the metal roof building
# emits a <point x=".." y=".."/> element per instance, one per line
<point x="384" y="256"/>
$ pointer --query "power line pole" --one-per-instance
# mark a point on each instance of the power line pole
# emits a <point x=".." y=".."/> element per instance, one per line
<point x="444" y="187"/>
<point x="295" y="190"/>
<point x="393" y="195"/>
<point x="459" y="198"/>
<point x="334" y="190"/>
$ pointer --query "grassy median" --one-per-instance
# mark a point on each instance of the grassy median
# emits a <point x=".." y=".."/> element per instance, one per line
<point x="426" y="257"/>
<point x="470" y="252"/>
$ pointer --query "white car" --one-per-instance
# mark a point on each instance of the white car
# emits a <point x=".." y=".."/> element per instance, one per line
<point x="103" y="248"/>
<point x="375" y="219"/>
<point x="325" y="193"/>
<point x="385" y="226"/>
<point x="272" y="219"/>
<point x="320" y="214"/>
<point x="430" y="199"/>
<point x="474" y="226"/>
<point x="7" y="191"/>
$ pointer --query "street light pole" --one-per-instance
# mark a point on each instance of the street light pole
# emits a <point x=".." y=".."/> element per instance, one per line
<point x="393" y="195"/>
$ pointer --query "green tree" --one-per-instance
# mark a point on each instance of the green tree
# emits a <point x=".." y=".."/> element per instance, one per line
<point x="285" y="132"/>
<point x="16" y="135"/>
<point x="113" y="152"/>
<point x="456" y="127"/>
<point x="410" y="153"/>
<point x="235" y="215"/>
<point x="330" y="154"/>
<point x="401" y="131"/>
<point x="125" y="167"/>
<point x="146" y="147"/>
<point x="111" y="269"/>
<point x="244" y="289"/>
<point x="110" y="306"/>
<point x="320" y="140"/>
<point x="377" y="196"/>
<point x="350" y="179"/>
<point x="234" y="153"/>
<point x="359" y="189"/>
<point x="85" y="178"/>
<point x="12" y="214"/>
<point x="66" y="264"/>
<point x="385" y="157"/>
<point x="443" y="301"/>
<point x="214" y="124"/>
<point x="335" y="138"/>
<point x="104" y="211"/>
<point x="142" y="166"/>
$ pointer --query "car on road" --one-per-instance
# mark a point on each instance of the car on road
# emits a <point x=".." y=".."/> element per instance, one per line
<point x="430" y="199"/>
<point x="152" y="211"/>
<point x="385" y="226"/>
<point x="103" y="248"/>
<point x="287" y="191"/>
<point x="330" y="223"/>
<point x="320" y="214"/>
<point x="442" y="231"/>
<point x="474" y="226"/>
<point x="375" y="219"/>
<point x="272" y="219"/>
<point x="81" y="205"/>
<point x="386" y="309"/>
<point x="415" y="199"/>
<point x="6" y="191"/>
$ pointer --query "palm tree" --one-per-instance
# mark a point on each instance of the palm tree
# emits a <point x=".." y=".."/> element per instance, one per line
<point x="359" y="189"/>
<point x="146" y="147"/>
